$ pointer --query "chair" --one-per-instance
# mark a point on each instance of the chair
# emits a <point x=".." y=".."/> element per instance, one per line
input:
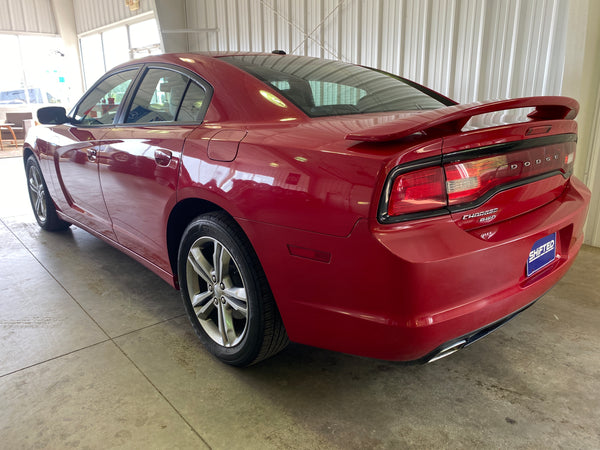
<point x="17" y="119"/>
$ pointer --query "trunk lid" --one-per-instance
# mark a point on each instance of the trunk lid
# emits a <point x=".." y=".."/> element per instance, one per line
<point x="488" y="181"/>
<point x="488" y="170"/>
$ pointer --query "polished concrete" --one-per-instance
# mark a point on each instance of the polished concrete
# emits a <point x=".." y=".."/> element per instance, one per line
<point x="96" y="352"/>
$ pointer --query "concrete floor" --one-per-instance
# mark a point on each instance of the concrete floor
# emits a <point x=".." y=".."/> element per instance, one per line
<point x="96" y="352"/>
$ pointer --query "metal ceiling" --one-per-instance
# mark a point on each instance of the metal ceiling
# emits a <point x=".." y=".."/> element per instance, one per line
<point x="93" y="14"/>
<point x="27" y="16"/>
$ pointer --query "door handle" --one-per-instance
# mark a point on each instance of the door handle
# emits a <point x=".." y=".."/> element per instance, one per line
<point x="162" y="157"/>
<point x="92" y="154"/>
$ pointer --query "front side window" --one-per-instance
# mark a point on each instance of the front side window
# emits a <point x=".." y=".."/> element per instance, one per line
<point x="166" y="96"/>
<point x="328" y="88"/>
<point x="100" y="105"/>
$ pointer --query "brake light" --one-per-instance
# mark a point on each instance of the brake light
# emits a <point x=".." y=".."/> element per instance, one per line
<point x="464" y="182"/>
<point x="417" y="191"/>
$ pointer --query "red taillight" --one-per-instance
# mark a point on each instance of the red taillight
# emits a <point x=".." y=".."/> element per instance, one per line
<point x="421" y="190"/>
<point x="466" y="181"/>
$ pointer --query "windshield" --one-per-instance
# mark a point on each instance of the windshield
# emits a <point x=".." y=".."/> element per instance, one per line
<point x="323" y="87"/>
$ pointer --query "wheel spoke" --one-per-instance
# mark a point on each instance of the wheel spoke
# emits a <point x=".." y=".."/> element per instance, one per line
<point x="38" y="205"/>
<point x="200" y="298"/>
<point x="200" y="264"/>
<point x="221" y="258"/>
<point x="217" y="252"/>
<point x="222" y="324"/>
<point x="43" y="205"/>
<point x="34" y="188"/>
<point x="236" y="299"/>
<point x="228" y="330"/>
<point x="203" y="305"/>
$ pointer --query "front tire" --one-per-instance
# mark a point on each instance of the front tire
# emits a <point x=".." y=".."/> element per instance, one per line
<point x="226" y="294"/>
<point x="41" y="203"/>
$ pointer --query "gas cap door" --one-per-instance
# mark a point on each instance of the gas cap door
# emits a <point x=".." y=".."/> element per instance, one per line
<point x="223" y="146"/>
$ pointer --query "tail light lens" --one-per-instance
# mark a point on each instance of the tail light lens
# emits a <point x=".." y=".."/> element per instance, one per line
<point x="461" y="181"/>
<point x="417" y="191"/>
<point x="467" y="181"/>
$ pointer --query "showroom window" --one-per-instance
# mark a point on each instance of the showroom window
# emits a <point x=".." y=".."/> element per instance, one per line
<point x="32" y="81"/>
<point x="117" y="45"/>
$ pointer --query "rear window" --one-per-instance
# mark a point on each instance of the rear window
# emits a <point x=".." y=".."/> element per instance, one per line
<point x="323" y="87"/>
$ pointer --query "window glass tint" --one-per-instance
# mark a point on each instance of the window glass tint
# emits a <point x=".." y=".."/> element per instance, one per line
<point x="100" y="105"/>
<point x="191" y="107"/>
<point x="327" y="88"/>
<point x="158" y="97"/>
<point x="327" y="93"/>
<point x="280" y="84"/>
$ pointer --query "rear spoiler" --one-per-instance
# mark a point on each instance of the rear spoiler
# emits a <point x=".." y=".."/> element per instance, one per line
<point x="452" y="119"/>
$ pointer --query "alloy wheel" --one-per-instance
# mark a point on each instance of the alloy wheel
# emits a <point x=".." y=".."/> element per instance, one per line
<point x="217" y="291"/>
<point x="37" y="191"/>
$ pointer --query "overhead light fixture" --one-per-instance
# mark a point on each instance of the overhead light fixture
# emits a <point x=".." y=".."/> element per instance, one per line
<point x="133" y="5"/>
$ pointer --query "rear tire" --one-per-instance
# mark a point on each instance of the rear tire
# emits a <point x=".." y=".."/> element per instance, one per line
<point x="41" y="202"/>
<point x="226" y="294"/>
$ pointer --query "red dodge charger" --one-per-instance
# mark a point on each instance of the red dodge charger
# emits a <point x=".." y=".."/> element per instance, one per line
<point x="295" y="198"/>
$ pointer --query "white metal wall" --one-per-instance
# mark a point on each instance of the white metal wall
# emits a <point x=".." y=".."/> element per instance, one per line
<point x="592" y="230"/>
<point x="467" y="49"/>
<point x="27" y="16"/>
<point x="94" y="14"/>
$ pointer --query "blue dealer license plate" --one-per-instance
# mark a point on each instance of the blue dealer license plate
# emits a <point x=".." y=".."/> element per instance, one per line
<point x="542" y="253"/>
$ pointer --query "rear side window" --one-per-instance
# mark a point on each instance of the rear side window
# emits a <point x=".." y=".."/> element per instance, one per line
<point x="167" y="96"/>
<point x="158" y="97"/>
<point x="192" y="106"/>
<point x="328" y="88"/>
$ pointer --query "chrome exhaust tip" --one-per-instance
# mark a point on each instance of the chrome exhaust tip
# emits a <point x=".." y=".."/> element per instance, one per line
<point x="448" y="350"/>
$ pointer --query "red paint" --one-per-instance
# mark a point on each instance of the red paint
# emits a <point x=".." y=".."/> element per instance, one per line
<point x="306" y="192"/>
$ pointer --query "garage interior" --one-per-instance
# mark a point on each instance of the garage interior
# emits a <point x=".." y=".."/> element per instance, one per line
<point x="97" y="351"/>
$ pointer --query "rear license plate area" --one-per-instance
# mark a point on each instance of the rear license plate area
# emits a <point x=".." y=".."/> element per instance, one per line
<point x="542" y="253"/>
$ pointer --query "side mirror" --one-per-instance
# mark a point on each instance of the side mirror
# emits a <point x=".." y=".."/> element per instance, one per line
<point x="52" y="115"/>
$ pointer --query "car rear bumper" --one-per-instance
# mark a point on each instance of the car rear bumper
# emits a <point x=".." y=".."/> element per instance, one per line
<point x="403" y="292"/>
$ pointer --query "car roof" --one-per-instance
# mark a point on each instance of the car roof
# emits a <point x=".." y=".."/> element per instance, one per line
<point x="195" y="57"/>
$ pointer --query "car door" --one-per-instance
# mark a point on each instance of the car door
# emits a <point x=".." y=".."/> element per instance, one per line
<point x="76" y="158"/>
<point x="140" y="157"/>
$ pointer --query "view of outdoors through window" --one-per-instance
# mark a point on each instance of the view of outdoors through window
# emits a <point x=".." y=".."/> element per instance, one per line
<point x="35" y="81"/>
<point x="38" y="74"/>
<point x="142" y="38"/>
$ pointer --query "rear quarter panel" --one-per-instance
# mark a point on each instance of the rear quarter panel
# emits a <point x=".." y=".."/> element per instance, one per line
<point x="291" y="178"/>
